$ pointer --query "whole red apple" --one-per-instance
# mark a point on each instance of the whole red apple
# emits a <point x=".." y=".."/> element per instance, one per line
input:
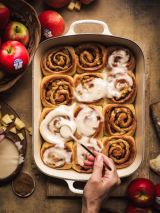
<point x="4" y="16"/>
<point x="86" y="1"/>
<point x="141" y="192"/>
<point x="16" y="31"/>
<point x="13" y="57"/>
<point x="57" y="3"/>
<point x="52" y="23"/>
<point x="133" y="209"/>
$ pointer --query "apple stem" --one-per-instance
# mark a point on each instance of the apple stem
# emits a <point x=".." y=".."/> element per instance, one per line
<point x="9" y="50"/>
<point x="17" y="29"/>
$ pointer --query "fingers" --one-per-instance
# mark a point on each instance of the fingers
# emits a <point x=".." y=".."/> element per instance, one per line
<point x="98" y="167"/>
<point x="88" y="163"/>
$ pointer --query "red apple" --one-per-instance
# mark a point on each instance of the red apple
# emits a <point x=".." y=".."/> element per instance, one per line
<point x="86" y="1"/>
<point x="4" y="16"/>
<point x="52" y="23"/>
<point x="16" y="31"/>
<point x="13" y="57"/>
<point x="133" y="209"/>
<point x="57" y="3"/>
<point x="141" y="192"/>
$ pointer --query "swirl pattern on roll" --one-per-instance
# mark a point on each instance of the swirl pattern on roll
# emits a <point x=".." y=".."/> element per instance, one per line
<point x="60" y="60"/>
<point x="56" y="90"/>
<point x="120" y="57"/>
<point x="90" y="57"/>
<point x="123" y="85"/>
<point x="120" y="119"/>
<point x="121" y="149"/>
<point x="56" y="157"/>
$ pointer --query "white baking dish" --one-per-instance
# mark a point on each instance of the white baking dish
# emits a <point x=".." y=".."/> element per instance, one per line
<point x="72" y="38"/>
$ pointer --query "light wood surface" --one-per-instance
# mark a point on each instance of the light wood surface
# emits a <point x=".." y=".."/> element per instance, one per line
<point x="136" y="20"/>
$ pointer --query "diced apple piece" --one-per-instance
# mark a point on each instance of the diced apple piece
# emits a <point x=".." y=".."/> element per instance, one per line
<point x="30" y="130"/>
<point x="71" y="6"/>
<point x="20" y="135"/>
<point x="19" y="124"/>
<point x="6" y="119"/>
<point x="77" y="5"/>
<point x="11" y="117"/>
<point x="13" y="130"/>
<point x="4" y="128"/>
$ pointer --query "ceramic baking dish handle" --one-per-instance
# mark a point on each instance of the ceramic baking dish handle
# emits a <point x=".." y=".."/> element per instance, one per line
<point x="72" y="188"/>
<point x="106" y="30"/>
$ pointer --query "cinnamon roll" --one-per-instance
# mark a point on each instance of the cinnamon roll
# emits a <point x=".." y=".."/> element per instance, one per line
<point x="80" y="154"/>
<point x="59" y="60"/>
<point x="89" y="88"/>
<point x="119" y="119"/>
<point x="55" y="157"/>
<point x="120" y="57"/>
<point x="121" y="87"/>
<point x="91" y="57"/>
<point x="89" y="121"/>
<point x="56" y="90"/>
<point x="53" y="121"/>
<point x="122" y="150"/>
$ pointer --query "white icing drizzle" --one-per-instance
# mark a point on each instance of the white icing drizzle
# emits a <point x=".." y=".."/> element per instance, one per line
<point x="55" y="119"/>
<point x="56" y="156"/>
<point x="18" y="145"/>
<point x="118" y="58"/>
<point x="87" y="121"/>
<point x="104" y="88"/>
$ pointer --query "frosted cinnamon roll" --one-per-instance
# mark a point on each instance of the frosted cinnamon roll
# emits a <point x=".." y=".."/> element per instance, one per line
<point x="56" y="90"/>
<point x="59" y="60"/>
<point x="80" y="155"/>
<point x="88" y="88"/>
<point x="52" y="123"/>
<point x="91" y="57"/>
<point x="120" y="57"/>
<point x="122" y="150"/>
<point x="121" y="87"/>
<point x="89" y="121"/>
<point x="119" y="119"/>
<point x="55" y="157"/>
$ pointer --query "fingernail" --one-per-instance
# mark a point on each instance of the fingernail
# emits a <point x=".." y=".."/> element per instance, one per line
<point x="99" y="158"/>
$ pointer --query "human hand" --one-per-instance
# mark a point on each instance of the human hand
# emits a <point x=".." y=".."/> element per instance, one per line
<point x="101" y="182"/>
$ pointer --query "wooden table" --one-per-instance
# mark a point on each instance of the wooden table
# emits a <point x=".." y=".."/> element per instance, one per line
<point x="136" y="20"/>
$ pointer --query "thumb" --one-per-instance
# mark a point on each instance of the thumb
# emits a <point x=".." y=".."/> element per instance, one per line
<point x="98" y="167"/>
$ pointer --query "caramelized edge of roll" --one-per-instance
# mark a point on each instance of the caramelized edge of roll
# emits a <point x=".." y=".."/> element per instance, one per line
<point x="131" y="142"/>
<point x="45" y="81"/>
<point x="107" y="109"/>
<point x="98" y="68"/>
<point x="70" y="71"/>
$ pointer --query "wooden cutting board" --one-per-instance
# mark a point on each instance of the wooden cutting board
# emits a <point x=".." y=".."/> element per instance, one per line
<point x="155" y="114"/>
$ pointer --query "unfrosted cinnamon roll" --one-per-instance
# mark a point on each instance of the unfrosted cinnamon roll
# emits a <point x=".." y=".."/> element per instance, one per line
<point x="121" y="87"/>
<point x="59" y="60"/>
<point x="91" y="57"/>
<point x="89" y="121"/>
<point x="119" y="119"/>
<point x="120" y="57"/>
<point x="52" y="121"/>
<point x="80" y="154"/>
<point x="122" y="150"/>
<point x="88" y="88"/>
<point x="56" y="90"/>
<point x="55" y="157"/>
